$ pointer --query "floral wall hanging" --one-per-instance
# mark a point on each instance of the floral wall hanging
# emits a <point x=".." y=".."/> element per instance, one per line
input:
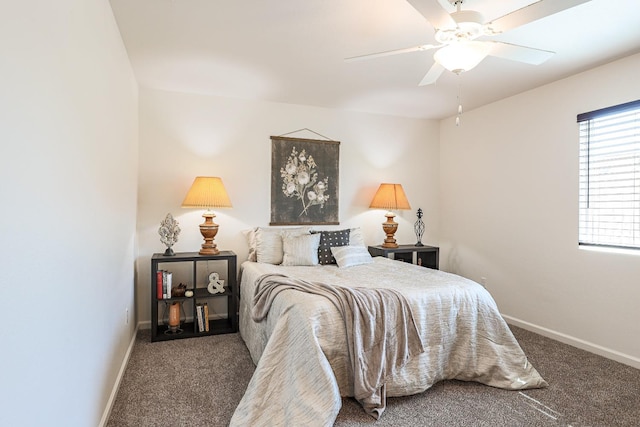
<point x="304" y="181"/>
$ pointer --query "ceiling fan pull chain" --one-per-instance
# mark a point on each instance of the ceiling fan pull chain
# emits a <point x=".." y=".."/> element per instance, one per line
<point x="459" y="103"/>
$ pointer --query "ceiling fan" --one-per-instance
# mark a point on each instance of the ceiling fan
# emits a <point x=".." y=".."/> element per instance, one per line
<point x="458" y="34"/>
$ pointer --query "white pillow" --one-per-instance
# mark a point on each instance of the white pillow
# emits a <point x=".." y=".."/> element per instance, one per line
<point x="268" y="246"/>
<point x="301" y="249"/>
<point x="250" y="235"/>
<point x="355" y="237"/>
<point x="268" y="243"/>
<point x="347" y="256"/>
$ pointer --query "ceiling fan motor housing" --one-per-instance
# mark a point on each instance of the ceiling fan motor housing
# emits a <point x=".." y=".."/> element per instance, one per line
<point x="469" y="26"/>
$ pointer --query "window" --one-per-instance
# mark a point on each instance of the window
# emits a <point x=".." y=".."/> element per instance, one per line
<point x="610" y="176"/>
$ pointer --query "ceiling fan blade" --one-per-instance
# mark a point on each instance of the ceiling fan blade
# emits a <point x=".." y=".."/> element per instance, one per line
<point x="519" y="53"/>
<point x="390" y="52"/>
<point x="434" y="13"/>
<point x="531" y="13"/>
<point x="434" y="72"/>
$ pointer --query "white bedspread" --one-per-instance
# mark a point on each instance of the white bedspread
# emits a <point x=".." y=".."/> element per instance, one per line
<point x="300" y="349"/>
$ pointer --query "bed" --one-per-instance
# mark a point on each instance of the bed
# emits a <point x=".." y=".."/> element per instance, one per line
<point x="303" y="367"/>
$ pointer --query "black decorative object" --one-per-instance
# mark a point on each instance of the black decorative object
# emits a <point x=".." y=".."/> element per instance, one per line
<point x="418" y="227"/>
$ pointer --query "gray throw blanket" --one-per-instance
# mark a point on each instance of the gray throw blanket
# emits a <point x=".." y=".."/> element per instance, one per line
<point x="381" y="331"/>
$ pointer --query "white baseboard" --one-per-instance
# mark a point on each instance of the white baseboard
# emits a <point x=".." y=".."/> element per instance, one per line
<point x="145" y="325"/>
<point x="116" y="386"/>
<point x="576" y="342"/>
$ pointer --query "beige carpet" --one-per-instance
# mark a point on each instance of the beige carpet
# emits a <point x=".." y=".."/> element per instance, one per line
<point x="199" y="382"/>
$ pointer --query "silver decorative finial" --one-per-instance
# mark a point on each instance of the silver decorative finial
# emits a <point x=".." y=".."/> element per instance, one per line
<point x="169" y="231"/>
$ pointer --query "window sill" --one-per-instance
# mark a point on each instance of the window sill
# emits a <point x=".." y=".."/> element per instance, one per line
<point x="610" y="250"/>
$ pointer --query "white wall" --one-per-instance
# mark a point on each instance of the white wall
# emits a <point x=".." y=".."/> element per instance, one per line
<point x="509" y="198"/>
<point x="68" y="126"/>
<point x="185" y="135"/>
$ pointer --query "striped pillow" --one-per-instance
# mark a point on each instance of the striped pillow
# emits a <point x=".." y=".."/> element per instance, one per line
<point x="300" y="249"/>
<point x="268" y="243"/>
<point x="347" y="256"/>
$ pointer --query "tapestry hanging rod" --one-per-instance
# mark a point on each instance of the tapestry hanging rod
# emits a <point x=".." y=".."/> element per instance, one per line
<point x="309" y="130"/>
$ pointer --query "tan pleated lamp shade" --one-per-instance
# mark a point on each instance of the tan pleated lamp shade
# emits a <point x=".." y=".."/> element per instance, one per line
<point x="390" y="197"/>
<point x="207" y="192"/>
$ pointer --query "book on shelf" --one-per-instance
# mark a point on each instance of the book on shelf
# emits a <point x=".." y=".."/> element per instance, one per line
<point x="164" y="281"/>
<point x="159" y="293"/>
<point x="164" y="284"/>
<point x="206" y="316"/>
<point x="200" y="317"/>
<point x="167" y="278"/>
<point x="169" y="283"/>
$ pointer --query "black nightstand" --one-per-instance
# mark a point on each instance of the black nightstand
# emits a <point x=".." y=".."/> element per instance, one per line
<point x="426" y="256"/>
<point x="194" y="270"/>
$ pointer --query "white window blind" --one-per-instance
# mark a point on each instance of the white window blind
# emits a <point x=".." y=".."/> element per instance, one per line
<point x="610" y="176"/>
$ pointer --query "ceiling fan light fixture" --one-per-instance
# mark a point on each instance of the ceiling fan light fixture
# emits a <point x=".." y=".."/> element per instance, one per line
<point x="461" y="56"/>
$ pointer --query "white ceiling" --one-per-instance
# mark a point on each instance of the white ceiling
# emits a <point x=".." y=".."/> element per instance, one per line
<point x="293" y="51"/>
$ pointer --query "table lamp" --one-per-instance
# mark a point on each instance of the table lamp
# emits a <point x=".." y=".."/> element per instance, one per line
<point x="207" y="192"/>
<point x="390" y="197"/>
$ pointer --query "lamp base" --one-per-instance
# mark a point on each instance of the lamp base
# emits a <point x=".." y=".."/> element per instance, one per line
<point x="209" y="229"/>
<point x="390" y="227"/>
